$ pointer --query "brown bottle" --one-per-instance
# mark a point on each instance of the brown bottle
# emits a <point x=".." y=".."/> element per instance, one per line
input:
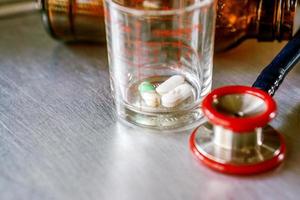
<point x="74" y="20"/>
<point x="266" y="20"/>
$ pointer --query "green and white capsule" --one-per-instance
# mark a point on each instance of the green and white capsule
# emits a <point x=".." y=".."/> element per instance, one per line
<point x="149" y="95"/>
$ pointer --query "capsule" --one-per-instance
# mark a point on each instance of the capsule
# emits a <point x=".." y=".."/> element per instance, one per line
<point x="149" y="95"/>
<point x="152" y="4"/>
<point x="177" y="95"/>
<point x="170" y="84"/>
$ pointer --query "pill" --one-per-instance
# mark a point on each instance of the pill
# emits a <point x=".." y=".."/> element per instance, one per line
<point x="177" y="95"/>
<point x="149" y="95"/>
<point x="170" y="84"/>
<point x="151" y="98"/>
<point x="150" y="4"/>
<point x="146" y="87"/>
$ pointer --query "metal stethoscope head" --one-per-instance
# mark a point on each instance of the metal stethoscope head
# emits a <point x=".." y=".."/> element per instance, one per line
<point x="237" y="138"/>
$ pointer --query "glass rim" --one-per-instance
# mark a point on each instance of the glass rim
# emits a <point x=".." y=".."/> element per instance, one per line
<point x="134" y="11"/>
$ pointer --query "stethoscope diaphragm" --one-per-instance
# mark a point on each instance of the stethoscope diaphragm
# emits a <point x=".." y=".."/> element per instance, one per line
<point x="236" y="139"/>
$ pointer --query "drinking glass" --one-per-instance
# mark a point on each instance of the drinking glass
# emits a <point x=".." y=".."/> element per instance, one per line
<point x="151" y="41"/>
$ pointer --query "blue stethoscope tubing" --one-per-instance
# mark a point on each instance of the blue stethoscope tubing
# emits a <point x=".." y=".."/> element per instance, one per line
<point x="272" y="76"/>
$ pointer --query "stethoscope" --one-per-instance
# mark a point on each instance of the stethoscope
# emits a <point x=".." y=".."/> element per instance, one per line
<point x="237" y="138"/>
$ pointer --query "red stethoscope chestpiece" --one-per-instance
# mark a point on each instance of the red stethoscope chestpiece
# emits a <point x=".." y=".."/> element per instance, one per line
<point x="236" y="139"/>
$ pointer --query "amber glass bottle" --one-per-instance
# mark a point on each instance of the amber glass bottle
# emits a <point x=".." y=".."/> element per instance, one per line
<point x="266" y="20"/>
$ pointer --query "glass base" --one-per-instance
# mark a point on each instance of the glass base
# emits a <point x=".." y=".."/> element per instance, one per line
<point x="171" y="121"/>
<point x="137" y="112"/>
<point x="184" y="115"/>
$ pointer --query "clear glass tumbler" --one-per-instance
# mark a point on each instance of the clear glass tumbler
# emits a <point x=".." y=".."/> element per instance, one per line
<point x="150" y="41"/>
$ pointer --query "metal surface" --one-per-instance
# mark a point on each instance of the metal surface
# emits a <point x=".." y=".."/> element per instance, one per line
<point x="240" y="105"/>
<point x="17" y="8"/>
<point x="258" y="146"/>
<point x="228" y="139"/>
<point x="59" y="138"/>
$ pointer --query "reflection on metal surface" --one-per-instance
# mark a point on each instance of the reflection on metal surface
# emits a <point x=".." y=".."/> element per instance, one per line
<point x="240" y="105"/>
<point x="16" y="8"/>
<point x="246" y="149"/>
